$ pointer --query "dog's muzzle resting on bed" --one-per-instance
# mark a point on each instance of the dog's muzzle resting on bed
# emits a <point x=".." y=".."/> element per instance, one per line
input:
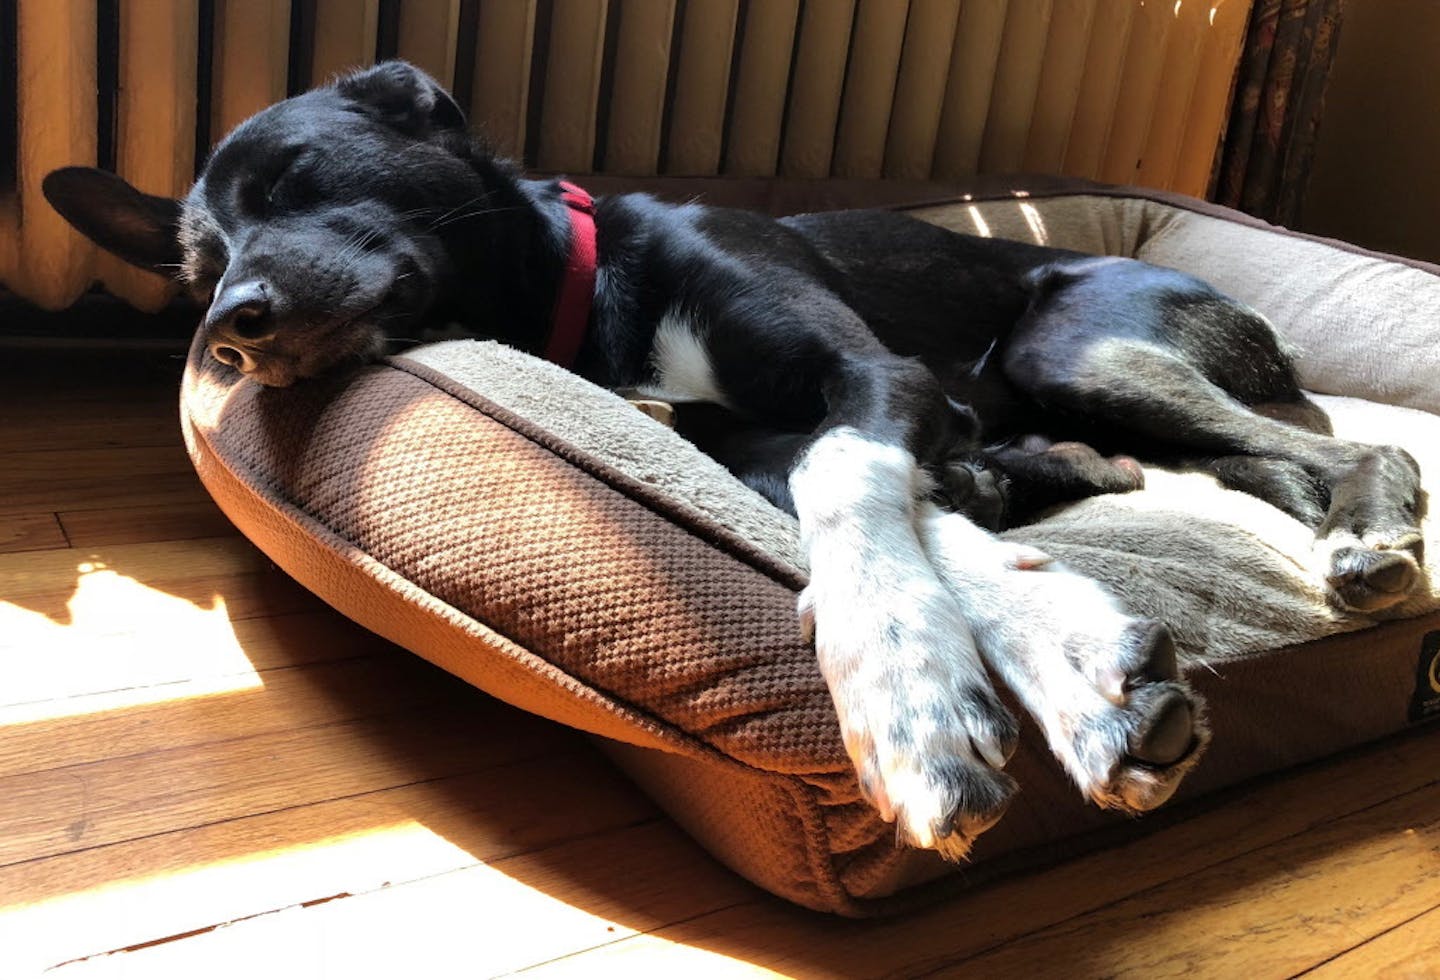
<point x="899" y="387"/>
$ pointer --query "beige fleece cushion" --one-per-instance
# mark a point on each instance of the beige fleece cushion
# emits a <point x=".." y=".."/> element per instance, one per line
<point x="1359" y="324"/>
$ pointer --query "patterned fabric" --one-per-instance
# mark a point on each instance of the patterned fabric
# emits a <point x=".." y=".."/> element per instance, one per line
<point x="1279" y="98"/>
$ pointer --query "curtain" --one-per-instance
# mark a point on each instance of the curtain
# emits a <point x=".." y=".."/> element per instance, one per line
<point x="1279" y="98"/>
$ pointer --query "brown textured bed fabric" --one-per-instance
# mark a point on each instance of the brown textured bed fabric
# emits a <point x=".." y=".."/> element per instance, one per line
<point x="544" y="541"/>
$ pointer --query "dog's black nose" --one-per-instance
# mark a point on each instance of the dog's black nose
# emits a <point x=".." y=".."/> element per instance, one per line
<point x="242" y="311"/>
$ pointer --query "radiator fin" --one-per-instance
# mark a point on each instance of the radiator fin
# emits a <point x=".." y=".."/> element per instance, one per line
<point x="1210" y="97"/>
<point x="702" y="85"/>
<point x="816" y="84"/>
<point x="967" y="96"/>
<point x="429" y="35"/>
<point x="1099" y="88"/>
<point x="1139" y="86"/>
<point x="251" y="59"/>
<point x="1017" y="82"/>
<point x="637" y="103"/>
<point x="572" y="83"/>
<point x="1061" y="77"/>
<point x="1175" y="88"/>
<point x="1128" y="91"/>
<point x="346" y="32"/>
<point x="155" y="132"/>
<point x="57" y="113"/>
<point x="920" y="88"/>
<point x="503" y="61"/>
<point x="762" y="77"/>
<point x="875" y="47"/>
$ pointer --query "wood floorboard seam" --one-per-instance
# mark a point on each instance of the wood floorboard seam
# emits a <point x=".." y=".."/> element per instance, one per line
<point x="269" y="812"/>
<point x="945" y="965"/>
<point x="490" y="861"/>
<point x="650" y="931"/>
<point x="418" y="708"/>
<point x="1366" y="941"/>
<point x="161" y="685"/>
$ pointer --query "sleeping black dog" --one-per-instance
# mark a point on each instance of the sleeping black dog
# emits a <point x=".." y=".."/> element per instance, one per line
<point x="895" y="385"/>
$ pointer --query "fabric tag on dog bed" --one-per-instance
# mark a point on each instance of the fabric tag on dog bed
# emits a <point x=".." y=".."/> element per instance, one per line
<point x="1425" y="702"/>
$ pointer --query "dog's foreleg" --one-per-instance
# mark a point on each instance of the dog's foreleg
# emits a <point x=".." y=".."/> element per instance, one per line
<point x="919" y="715"/>
<point x="1104" y="686"/>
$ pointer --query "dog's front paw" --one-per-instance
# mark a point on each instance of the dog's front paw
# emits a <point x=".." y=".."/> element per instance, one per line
<point x="1127" y="727"/>
<point x="1105" y="688"/>
<point x="920" y="721"/>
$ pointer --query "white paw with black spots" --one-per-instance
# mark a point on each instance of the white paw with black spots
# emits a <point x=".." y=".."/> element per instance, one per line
<point x="920" y="720"/>
<point x="917" y="710"/>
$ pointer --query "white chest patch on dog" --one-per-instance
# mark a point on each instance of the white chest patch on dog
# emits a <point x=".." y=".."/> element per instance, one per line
<point x="681" y="364"/>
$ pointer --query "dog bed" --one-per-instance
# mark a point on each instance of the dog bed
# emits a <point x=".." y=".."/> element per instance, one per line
<point x="540" y="538"/>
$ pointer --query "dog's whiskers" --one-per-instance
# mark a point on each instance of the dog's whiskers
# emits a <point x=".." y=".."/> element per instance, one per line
<point x="353" y="248"/>
<point x="443" y="222"/>
<point x="459" y="207"/>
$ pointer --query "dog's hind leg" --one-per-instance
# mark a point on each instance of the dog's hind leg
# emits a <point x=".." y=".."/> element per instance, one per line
<point x="1281" y="483"/>
<point x="1202" y="376"/>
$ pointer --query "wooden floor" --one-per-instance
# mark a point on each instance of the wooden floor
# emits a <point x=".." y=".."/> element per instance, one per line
<point x="206" y="773"/>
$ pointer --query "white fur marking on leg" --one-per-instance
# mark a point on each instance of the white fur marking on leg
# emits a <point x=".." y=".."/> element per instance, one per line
<point x="909" y="686"/>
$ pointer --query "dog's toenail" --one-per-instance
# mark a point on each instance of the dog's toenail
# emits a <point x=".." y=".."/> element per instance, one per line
<point x="1112" y="683"/>
<point x="1156" y="658"/>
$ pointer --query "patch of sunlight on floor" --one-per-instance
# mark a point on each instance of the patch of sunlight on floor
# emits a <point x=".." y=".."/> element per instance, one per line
<point x="186" y="888"/>
<point x="125" y="644"/>
<point x="272" y="913"/>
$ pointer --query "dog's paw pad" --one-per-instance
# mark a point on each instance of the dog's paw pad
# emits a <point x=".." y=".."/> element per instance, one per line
<point x="1112" y="474"/>
<point x="1167" y="735"/>
<point x="1131" y="469"/>
<point x="1370" y="579"/>
<point x="1129" y="749"/>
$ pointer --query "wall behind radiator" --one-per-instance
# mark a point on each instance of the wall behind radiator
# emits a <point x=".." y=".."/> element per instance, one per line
<point x="1376" y="180"/>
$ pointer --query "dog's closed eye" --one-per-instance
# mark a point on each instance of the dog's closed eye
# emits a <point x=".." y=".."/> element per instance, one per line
<point x="265" y="191"/>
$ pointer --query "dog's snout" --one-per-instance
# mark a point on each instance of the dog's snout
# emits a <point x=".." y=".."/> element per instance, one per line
<point x="242" y="311"/>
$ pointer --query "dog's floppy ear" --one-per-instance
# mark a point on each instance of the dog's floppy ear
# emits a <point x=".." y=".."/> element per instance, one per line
<point x="403" y="96"/>
<point x="138" y="227"/>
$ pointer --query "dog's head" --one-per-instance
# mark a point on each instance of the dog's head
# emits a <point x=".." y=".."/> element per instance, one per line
<point x="318" y="226"/>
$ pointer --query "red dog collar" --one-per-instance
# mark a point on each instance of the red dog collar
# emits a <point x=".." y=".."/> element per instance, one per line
<point x="577" y="289"/>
